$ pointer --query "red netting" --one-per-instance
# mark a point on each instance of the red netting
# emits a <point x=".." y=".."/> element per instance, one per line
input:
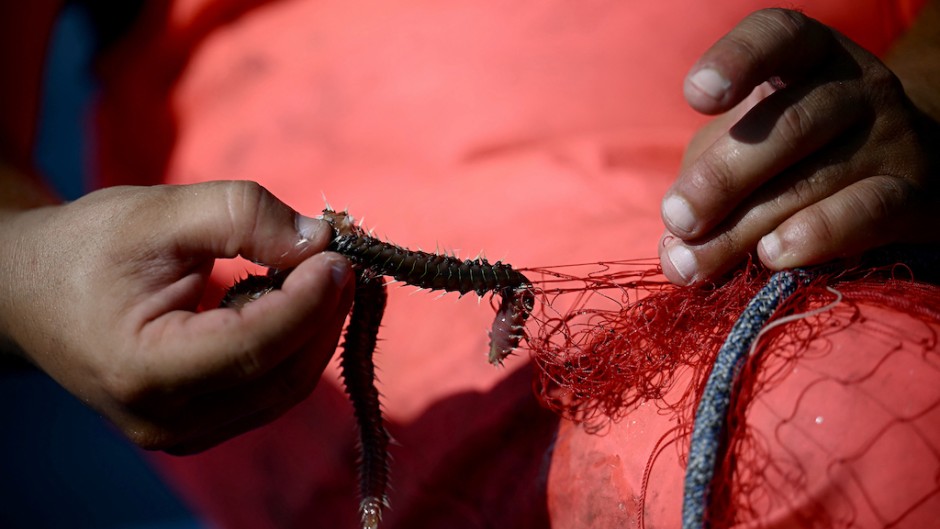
<point x="609" y="336"/>
<point x="612" y="334"/>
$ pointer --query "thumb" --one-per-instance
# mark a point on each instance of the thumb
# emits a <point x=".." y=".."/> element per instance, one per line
<point x="222" y="347"/>
<point x="225" y="219"/>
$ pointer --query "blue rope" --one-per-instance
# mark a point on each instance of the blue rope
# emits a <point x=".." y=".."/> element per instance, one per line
<point x="712" y="411"/>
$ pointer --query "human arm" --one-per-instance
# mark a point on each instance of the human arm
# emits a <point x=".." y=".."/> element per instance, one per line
<point x="841" y="160"/>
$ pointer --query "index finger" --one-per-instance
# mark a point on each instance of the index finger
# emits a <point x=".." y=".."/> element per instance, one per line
<point x="770" y="43"/>
<point x="226" y="347"/>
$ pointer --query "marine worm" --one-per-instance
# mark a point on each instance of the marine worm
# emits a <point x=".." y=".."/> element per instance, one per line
<point x="442" y="272"/>
<point x="509" y="325"/>
<point x="253" y="287"/>
<point x="373" y="258"/>
<point x="358" y="372"/>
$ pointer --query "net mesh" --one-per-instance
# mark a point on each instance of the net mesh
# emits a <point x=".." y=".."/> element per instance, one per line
<point x="609" y="336"/>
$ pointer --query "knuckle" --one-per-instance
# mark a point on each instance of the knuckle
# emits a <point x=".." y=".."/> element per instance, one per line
<point x="879" y="200"/>
<point x="817" y="224"/>
<point x="837" y="223"/>
<point x="781" y="19"/>
<point x="794" y="125"/>
<point x="716" y="175"/>
<point x="766" y="32"/>
<point x="246" y="202"/>
<point x="877" y="75"/>
<point x="751" y="38"/>
<point x="774" y="25"/>
<point x="882" y="87"/>
<point x="243" y="189"/>
<point x="745" y="46"/>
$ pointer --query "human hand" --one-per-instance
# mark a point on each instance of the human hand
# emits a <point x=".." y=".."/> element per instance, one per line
<point x="102" y="295"/>
<point x="819" y="155"/>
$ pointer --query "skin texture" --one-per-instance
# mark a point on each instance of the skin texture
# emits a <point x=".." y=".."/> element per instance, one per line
<point x="818" y="154"/>
<point x="130" y="342"/>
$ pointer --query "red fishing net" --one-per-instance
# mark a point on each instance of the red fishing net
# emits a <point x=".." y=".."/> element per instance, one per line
<point x="832" y="408"/>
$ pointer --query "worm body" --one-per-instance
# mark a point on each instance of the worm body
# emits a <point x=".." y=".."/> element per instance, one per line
<point x="427" y="270"/>
<point x="358" y="372"/>
<point x="442" y="272"/>
<point x="253" y="287"/>
<point x="373" y="258"/>
<point x="509" y="325"/>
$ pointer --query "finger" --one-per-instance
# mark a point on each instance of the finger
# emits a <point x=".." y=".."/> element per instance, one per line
<point x="808" y="182"/>
<point x="778" y="132"/>
<point x="210" y="419"/>
<point x="687" y="263"/>
<point x="225" y="347"/>
<point x="286" y="384"/>
<point x="710" y="132"/>
<point x="248" y="408"/>
<point x="768" y="43"/>
<point x="225" y="219"/>
<point x="866" y="215"/>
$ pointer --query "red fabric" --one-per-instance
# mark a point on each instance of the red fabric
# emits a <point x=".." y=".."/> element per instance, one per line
<point x="24" y="30"/>
<point x="544" y="132"/>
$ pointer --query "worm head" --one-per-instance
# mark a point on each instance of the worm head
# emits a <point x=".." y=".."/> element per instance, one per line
<point x="341" y="222"/>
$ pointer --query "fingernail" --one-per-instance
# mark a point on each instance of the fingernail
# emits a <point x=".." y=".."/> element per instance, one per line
<point x="683" y="260"/>
<point x="710" y="82"/>
<point x="309" y="228"/>
<point x="678" y="214"/>
<point x="771" y="248"/>
<point x="341" y="270"/>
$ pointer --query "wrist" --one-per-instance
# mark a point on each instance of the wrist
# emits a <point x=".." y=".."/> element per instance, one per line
<point x="20" y="270"/>
<point x="19" y="194"/>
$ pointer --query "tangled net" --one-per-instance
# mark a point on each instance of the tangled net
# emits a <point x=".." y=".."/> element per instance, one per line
<point x="609" y="336"/>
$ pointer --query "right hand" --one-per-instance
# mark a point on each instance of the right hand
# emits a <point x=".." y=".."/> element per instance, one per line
<point x="835" y="161"/>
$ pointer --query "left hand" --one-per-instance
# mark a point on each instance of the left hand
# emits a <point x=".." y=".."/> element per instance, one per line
<point x="827" y="161"/>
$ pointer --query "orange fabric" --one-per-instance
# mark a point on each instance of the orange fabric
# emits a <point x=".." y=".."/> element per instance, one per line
<point x="842" y="433"/>
<point x="542" y="131"/>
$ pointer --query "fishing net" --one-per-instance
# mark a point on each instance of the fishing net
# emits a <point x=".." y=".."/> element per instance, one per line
<point x="852" y="349"/>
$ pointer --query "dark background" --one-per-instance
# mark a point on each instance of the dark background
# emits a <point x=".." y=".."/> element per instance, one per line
<point x="62" y="465"/>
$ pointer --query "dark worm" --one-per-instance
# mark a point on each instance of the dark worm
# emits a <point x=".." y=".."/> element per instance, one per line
<point x="442" y="272"/>
<point x="509" y="325"/>
<point x="373" y="258"/>
<point x="358" y="371"/>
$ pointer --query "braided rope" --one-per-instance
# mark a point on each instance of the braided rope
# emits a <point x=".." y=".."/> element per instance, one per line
<point x="712" y="413"/>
